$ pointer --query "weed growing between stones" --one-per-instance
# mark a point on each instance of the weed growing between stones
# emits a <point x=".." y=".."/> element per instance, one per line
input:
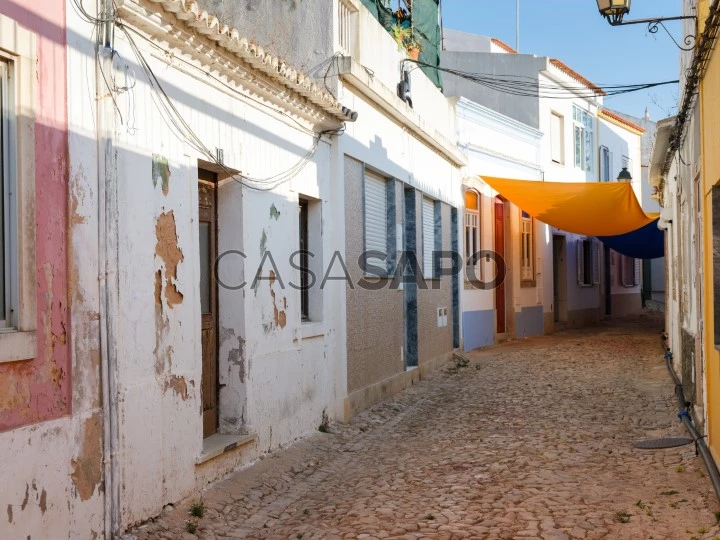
<point x="622" y="517"/>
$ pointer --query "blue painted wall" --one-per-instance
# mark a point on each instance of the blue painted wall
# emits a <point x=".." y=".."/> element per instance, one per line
<point x="529" y="322"/>
<point x="478" y="329"/>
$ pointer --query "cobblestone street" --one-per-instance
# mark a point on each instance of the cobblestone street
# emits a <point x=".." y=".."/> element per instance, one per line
<point x="532" y="439"/>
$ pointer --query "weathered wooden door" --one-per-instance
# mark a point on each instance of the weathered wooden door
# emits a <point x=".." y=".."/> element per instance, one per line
<point x="500" y="250"/>
<point x="207" y="197"/>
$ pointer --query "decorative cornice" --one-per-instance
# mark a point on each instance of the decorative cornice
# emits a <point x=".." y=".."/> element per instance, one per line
<point x="201" y="36"/>
<point x="562" y="66"/>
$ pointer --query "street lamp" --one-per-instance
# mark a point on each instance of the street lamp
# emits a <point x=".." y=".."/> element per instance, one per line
<point x="615" y="10"/>
<point x="624" y="175"/>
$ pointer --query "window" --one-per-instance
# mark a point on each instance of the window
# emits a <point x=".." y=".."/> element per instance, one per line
<point x="472" y="224"/>
<point x="605" y="164"/>
<point x="588" y="264"/>
<point x="557" y="138"/>
<point x="304" y="261"/>
<point x="18" y="297"/>
<point x="377" y="189"/>
<point x="584" y="139"/>
<point x="629" y="271"/>
<point x="527" y="248"/>
<point x="309" y="259"/>
<point x="430" y="229"/>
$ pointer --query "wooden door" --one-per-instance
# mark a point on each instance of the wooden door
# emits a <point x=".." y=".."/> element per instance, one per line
<point x="207" y="198"/>
<point x="500" y="250"/>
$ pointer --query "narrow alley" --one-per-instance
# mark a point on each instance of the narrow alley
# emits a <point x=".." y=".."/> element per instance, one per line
<point x="531" y="439"/>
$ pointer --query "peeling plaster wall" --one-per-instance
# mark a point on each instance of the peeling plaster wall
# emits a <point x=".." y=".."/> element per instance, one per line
<point x="276" y="377"/>
<point x="50" y="417"/>
<point x="40" y="389"/>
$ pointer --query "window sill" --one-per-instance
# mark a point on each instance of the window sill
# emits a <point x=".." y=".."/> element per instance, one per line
<point x="528" y="284"/>
<point x="219" y="444"/>
<point x="16" y="345"/>
<point x="310" y="329"/>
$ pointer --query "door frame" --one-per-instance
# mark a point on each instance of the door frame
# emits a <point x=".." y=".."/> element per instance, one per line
<point x="501" y="291"/>
<point x="210" y="422"/>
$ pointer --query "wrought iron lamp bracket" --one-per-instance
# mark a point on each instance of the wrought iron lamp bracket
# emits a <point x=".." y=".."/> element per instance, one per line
<point x="654" y="25"/>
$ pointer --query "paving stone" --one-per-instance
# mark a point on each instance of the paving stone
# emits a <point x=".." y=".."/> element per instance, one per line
<point x="535" y="443"/>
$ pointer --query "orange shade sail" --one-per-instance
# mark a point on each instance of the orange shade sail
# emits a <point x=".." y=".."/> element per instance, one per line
<point x="587" y="208"/>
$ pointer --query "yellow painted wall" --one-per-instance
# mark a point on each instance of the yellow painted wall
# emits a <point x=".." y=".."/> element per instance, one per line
<point x="710" y="134"/>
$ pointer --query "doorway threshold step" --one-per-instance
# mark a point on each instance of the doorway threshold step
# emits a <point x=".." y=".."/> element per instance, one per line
<point x="220" y="443"/>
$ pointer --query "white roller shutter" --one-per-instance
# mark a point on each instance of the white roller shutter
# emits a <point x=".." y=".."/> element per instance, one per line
<point x="428" y="221"/>
<point x="376" y="210"/>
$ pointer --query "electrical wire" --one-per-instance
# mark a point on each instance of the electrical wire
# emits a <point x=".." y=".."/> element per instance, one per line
<point x="525" y="86"/>
<point x="180" y="128"/>
<point x="209" y="74"/>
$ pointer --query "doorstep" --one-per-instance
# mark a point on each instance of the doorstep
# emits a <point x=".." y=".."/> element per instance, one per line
<point x="220" y="443"/>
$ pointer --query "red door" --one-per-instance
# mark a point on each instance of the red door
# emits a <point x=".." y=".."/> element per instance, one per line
<point x="500" y="250"/>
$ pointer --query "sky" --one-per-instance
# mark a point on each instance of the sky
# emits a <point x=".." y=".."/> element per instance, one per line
<point x="576" y="33"/>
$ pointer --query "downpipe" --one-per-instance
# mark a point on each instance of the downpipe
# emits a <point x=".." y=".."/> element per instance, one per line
<point x="106" y="245"/>
<point x="685" y="417"/>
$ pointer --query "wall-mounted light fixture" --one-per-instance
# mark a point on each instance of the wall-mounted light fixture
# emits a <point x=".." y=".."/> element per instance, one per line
<point x="615" y="10"/>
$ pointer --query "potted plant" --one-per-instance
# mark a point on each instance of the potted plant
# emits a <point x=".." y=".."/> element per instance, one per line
<point x="413" y="48"/>
<point x="400" y="34"/>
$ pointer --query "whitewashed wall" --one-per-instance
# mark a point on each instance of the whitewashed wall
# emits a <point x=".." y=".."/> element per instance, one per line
<point x="282" y="377"/>
<point x="579" y="298"/>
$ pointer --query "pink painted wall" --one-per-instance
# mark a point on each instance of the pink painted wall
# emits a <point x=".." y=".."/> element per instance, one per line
<point x="40" y="389"/>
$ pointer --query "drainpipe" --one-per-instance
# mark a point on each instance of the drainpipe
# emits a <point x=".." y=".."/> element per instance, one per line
<point x="684" y="414"/>
<point x="106" y="185"/>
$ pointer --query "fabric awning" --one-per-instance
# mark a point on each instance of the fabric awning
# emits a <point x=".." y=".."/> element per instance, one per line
<point x="648" y="242"/>
<point x="593" y="209"/>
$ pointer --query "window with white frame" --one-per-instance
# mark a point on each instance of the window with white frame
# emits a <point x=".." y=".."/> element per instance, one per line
<point x="430" y="235"/>
<point x="527" y="248"/>
<point x="629" y="271"/>
<point x="557" y="138"/>
<point x="605" y="164"/>
<point x="472" y="224"/>
<point x="376" y="216"/>
<point x="588" y="263"/>
<point x="18" y="297"/>
<point x="583" y="133"/>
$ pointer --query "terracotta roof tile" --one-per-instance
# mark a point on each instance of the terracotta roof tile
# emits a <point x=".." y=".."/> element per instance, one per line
<point x="627" y="123"/>
<point x="575" y="75"/>
<point x="504" y="46"/>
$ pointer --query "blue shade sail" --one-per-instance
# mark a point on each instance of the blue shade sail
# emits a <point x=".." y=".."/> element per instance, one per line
<point x="647" y="242"/>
